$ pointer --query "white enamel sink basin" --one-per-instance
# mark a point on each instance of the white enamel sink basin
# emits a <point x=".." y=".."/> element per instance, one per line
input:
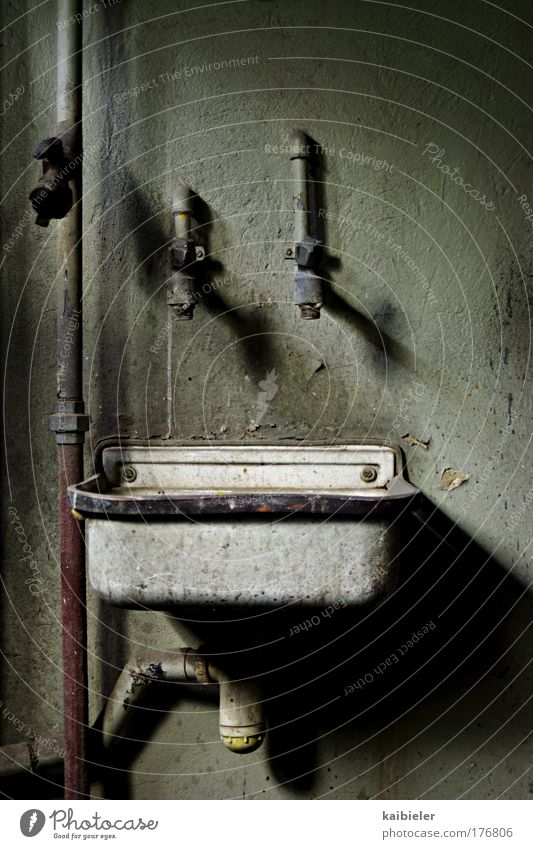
<point x="249" y="525"/>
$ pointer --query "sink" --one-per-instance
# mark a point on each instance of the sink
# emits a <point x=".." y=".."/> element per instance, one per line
<point x="182" y="525"/>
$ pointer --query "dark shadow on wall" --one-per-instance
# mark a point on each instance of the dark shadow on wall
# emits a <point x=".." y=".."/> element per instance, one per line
<point x="463" y="610"/>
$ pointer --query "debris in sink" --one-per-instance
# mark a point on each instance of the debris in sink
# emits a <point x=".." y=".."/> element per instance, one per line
<point x="452" y="478"/>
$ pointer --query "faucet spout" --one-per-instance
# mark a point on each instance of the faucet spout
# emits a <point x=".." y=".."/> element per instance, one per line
<point x="242" y="727"/>
<point x="185" y="253"/>
<point x="307" y="250"/>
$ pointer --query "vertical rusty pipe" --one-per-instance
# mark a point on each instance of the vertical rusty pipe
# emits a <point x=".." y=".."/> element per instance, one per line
<point x="69" y="421"/>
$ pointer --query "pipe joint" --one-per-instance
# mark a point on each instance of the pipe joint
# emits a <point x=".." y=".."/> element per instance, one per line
<point x="69" y="426"/>
<point x="307" y="252"/>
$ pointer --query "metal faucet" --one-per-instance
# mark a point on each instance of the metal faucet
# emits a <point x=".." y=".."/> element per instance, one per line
<point x="185" y="254"/>
<point x="307" y="250"/>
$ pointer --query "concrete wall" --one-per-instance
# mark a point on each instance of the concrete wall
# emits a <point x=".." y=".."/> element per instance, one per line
<point x="425" y="330"/>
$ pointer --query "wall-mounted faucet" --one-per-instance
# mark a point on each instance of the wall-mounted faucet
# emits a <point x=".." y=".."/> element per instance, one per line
<point x="307" y="250"/>
<point x="185" y="253"/>
<point x="52" y="197"/>
<point x="241" y="723"/>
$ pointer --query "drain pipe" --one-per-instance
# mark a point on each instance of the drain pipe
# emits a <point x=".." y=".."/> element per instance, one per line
<point x="31" y="757"/>
<point x="307" y="284"/>
<point x="69" y="421"/>
<point x="242" y="728"/>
